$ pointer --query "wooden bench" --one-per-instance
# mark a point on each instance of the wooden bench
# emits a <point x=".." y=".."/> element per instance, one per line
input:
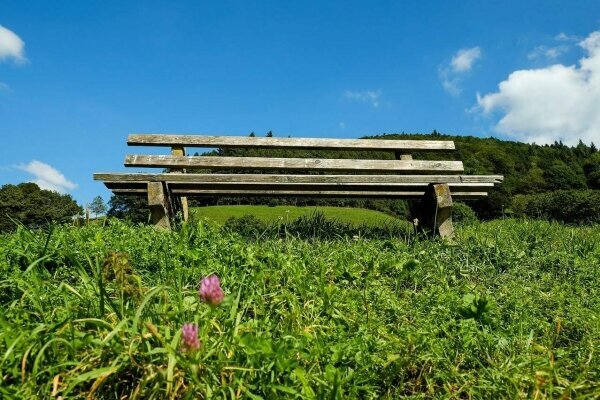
<point x="436" y="183"/>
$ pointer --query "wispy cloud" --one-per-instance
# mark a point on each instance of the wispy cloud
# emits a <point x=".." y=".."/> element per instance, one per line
<point x="464" y="59"/>
<point x="365" y="96"/>
<point x="342" y="125"/>
<point x="558" y="102"/>
<point x="452" y="73"/>
<point x="12" y="46"/>
<point x="547" y="53"/>
<point x="553" y="51"/>
<point x="48" y="177"/>
<point x="563" y="37"/>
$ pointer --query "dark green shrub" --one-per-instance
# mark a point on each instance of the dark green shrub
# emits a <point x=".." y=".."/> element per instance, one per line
<point x="463" y="213"/>
<point x="570" y="206"/>
<point x="131" y="208"/>
<point x="316" y="225"/>
<point x="399" y="208"/>
<point x="247" y="226"/>
<point x="493" y="205"/>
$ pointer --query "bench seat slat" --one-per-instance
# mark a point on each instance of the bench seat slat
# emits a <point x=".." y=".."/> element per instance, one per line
<point x="325" y="193"/>
<point x="327" y="186"/>
<point x="357" y="186"/>
<point x="288" y="143"/>
<point x="291" y="178"/>
<point x="291" y="193"/>
<point x="312" y="164"/>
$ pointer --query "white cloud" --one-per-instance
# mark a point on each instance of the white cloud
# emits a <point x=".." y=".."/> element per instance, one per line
<point x="342" y="125"/>
<point x="11" y="46"/>
<point x="48" y="177"/>
<point x="366" y="96"/>
<point x="452" y="74"/>
<point x="464" y="59"/>
<point x="558" y="102"/>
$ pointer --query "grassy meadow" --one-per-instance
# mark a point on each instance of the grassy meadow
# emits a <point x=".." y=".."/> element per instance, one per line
<point x="510" y="310"/>
<point x="267" y="214"/>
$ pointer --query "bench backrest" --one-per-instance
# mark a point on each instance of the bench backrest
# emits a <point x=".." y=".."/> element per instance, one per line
<point x="399" y="147"/>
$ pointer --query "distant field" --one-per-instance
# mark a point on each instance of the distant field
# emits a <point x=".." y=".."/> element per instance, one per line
<point x="356" y="216"/>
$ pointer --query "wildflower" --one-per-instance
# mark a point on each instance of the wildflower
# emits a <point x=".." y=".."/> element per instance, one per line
<point x="190" y="337"/>
<point x="210" y="290"/>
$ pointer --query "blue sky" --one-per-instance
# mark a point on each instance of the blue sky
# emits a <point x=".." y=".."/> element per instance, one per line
<point x="77" y="77"/>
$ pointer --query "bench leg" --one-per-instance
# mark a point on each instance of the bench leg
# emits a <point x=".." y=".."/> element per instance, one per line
<point x="184" y="209"/>
<point x="436" y="210"/>
<point x="158" y="202"/>
<point x="178" y="206"/>
<point x="182" y="202"/>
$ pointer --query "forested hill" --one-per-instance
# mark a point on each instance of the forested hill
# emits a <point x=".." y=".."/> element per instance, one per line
<point x="527" y="168"/>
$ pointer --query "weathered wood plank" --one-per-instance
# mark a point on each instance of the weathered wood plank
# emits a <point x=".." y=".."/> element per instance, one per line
<point x="360" y="186"/>
<point x="477" y="187"/>
<point x="124" y="190"/>
<point x="291" y="178"/>
<point x="322" y="193"/>
<point x="307" y="164"/>
<point x="288" y="143"/>
<point x="290" y="193"/>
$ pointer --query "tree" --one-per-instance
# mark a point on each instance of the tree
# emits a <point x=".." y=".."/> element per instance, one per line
<point x="97" y="206"/>
<point x="132" y="208"/>
<point x="591" y="169"/>
<point x="561" y="177"/>
<point x="34" y="207"/>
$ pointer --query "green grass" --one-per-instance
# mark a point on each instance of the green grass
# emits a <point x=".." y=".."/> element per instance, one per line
<point x="356" y="216"/>
<point x="511" y="310"/>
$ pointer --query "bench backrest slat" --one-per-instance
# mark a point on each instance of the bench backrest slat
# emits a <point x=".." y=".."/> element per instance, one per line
<point x="289" y="143"/>
<point x="309" y="164"/>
